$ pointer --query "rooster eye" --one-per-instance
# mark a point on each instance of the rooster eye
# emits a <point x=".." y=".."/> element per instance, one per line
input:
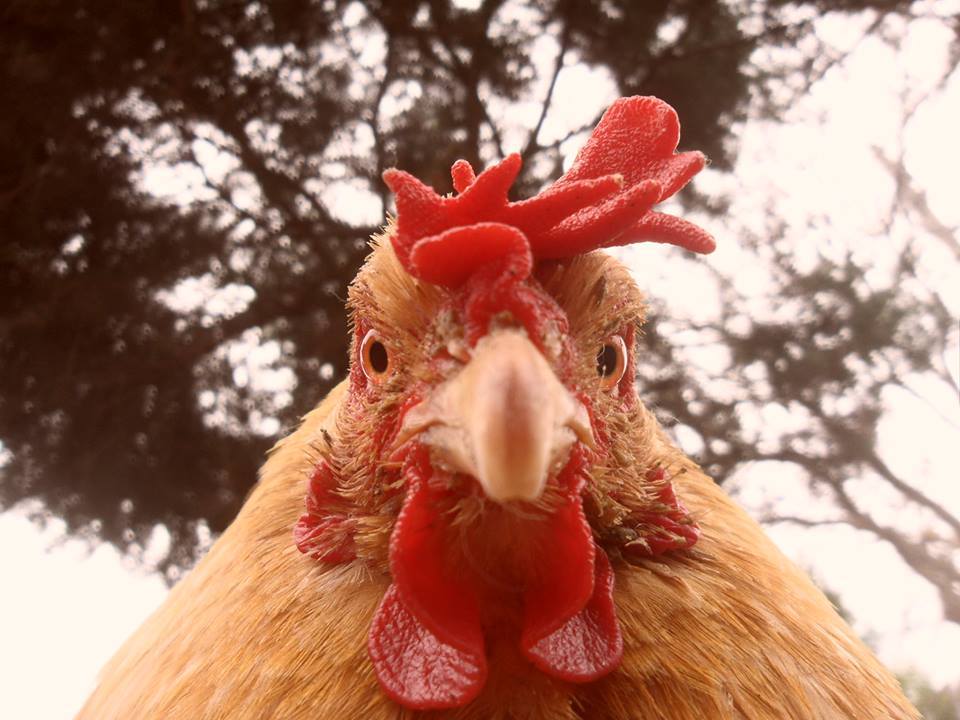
<point x="374" y="358"/>
<point x="611" y="361"/>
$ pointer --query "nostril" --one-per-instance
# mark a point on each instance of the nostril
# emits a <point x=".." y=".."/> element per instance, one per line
<point x="505" y="320"/>
<point x="459" y="350"/>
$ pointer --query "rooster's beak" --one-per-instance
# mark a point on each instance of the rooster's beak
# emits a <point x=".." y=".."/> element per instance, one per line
<point x="505" y="418"/>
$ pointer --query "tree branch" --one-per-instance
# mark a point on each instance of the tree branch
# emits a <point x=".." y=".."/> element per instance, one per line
<point x="940" y="572"/>
<point x="548" y="99"/>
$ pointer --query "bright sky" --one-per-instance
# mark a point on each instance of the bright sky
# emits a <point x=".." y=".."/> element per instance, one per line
<point x="64" y="610"/>
<point x="821" y="162"/>
<point x="71" y="608"/>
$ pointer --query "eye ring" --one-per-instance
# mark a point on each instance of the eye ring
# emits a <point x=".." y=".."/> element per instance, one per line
<point x="375" y="358"/>
<point x="611" y="362"/>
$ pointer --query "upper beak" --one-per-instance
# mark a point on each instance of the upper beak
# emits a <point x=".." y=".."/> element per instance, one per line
<point x="505" y="418"/>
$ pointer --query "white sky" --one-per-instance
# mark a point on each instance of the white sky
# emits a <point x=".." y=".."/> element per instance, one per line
<point x="821" y="162"/>
<point x="71" y="608"/>
<point x="63" y="612"/>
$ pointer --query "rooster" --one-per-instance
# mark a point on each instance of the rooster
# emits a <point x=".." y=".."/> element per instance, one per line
<point x="483" y="520"/>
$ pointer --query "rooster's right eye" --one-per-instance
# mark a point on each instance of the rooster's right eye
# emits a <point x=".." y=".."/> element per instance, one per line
<point x="374" y="357"/>
<point x="612" y="361"/>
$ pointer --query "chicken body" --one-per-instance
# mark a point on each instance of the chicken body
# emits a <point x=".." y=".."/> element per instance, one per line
<point x="725" y="629"/>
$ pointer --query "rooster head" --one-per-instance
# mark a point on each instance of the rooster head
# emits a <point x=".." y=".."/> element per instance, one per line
<point x="492" y="456"/>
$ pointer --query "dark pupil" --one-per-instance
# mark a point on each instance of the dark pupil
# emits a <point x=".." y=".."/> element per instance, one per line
<point x="607" y="360"/>
<point x="378" y="357"/>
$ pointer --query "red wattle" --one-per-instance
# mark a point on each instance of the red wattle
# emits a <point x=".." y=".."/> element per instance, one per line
<point x="588" y="645"/>
<point x="429" y="585"/>
<point x="426" y="642"/>
<point x="565" y="574"/>
<point x="414" y="667"/>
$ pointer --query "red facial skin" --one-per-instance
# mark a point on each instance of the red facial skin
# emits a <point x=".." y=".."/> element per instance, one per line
<point x="427" y="639"/>
<point x="322" y="533"/>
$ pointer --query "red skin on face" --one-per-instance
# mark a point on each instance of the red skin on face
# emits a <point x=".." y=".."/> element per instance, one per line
<point x="427" y="640"/>
<point x="322" y="534"/>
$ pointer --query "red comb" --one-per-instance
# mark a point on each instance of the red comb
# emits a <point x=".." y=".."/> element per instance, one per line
<point x="628" y="165"/>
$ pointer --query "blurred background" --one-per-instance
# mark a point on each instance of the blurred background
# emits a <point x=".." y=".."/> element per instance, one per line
<point x="187" y="188"/>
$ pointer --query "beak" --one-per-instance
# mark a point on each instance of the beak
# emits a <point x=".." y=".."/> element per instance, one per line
<point x="505" y="418"/>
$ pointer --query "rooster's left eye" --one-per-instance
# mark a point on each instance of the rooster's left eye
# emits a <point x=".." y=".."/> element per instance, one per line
<point x="611" y="361"/>
<point x="374" y="357"/>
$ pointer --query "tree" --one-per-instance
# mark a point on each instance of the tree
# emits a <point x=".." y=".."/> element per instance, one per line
<point x="131" y="314"/>
<point x="933" y="703"/>
<point x="851" y="325"/>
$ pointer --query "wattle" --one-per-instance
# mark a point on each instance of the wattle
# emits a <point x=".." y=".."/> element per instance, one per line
<point x="426" y="640"/>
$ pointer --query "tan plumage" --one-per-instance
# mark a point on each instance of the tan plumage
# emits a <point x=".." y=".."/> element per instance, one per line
<point x="729" y="629"/>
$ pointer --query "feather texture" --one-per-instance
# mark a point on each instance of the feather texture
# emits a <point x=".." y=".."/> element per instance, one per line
<point x="728" y="629"/>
